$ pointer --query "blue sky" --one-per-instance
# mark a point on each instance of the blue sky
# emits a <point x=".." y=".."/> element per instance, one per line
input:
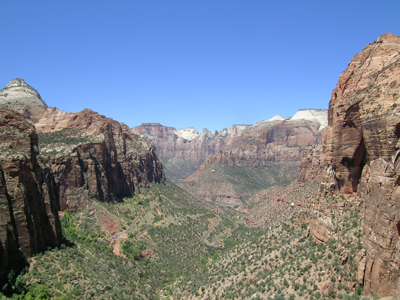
<point x="203" y="64"/>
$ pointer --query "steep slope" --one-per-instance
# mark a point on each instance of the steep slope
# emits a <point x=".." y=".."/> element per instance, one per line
<point x="361" y="163"/>
<point x="94" y="156"/>
<point x="266" y="154"/>
<point x="183" y="150"/>
<point x="29" y="220"/>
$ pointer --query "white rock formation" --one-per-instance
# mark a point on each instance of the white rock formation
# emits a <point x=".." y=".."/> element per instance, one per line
<point x="19" y="96"/>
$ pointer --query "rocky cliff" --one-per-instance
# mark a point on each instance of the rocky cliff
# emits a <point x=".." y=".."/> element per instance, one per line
<point x="273" y="147"/>
<point x="92" y="156"/>
<point x="183" y="150"/>
<point x="272" y="140"/>
<point x="29" y="220"/>
<point x="362" y="160"/>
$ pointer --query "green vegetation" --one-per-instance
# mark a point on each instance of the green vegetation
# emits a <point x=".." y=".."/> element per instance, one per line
<point x="66" y="136"/>
<point x="60" y="142"/>
<point x="161" y="253"/>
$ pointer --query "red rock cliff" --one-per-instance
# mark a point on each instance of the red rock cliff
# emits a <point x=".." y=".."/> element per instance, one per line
<point x="29" y="220"/>
<point x="267" y="141"/>
<point x="95" y="156"/>
<point x="362" y="156"/>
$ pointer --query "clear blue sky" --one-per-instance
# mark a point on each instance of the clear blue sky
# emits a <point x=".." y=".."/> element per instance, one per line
<point x="203" y="64"/>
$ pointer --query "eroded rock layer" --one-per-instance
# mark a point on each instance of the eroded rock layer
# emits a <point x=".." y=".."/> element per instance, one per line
<point x="362" y="158"/>
<point x="29" y="220"/>
<point x="94" y="156"/>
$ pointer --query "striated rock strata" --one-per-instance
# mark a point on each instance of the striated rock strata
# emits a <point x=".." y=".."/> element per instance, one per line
<point x="312" y="164"/>
<point x="19" y="96"/>
<point x="94" y="156"/>
<point x="362" y="159"/>
<point x="29" y="220"/>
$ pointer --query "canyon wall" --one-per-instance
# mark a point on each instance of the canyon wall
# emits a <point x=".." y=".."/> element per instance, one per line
<point x="92" y="156"/>
<point x="362" y="159"/>
<point x="29" y="220"/>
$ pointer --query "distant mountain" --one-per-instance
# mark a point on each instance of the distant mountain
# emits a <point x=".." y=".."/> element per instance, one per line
<point x="183" y="150"/>
<point x="265" y="154"/>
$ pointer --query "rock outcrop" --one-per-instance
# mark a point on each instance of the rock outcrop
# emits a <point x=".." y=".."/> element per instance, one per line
<point x="29" y="221"/>
<point x="92" y="156"/>
<point x="19" y="96"/>
<point x="362" y="157"/>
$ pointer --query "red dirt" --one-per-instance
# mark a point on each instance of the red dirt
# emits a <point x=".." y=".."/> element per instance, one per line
<point x="109" y="226"/>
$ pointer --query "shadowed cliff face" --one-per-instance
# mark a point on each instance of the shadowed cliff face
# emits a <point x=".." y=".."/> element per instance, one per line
<point x="362" y="157"/>
<point x="94" y="156"/>
<point x="29" y="220"/>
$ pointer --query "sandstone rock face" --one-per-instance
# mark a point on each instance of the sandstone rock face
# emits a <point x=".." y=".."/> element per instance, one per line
<point x="312" y="164"/>
<point x="94" y="156"/>
<point x="183" y="150"/>
<point x="362" y="155"/>
<point x="19" y="96"/>
<point x="29" y="220"/>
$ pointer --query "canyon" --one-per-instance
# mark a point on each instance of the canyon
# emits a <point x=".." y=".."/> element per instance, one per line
<point x="326" y="182"/>
<point x="265" y="154"/>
